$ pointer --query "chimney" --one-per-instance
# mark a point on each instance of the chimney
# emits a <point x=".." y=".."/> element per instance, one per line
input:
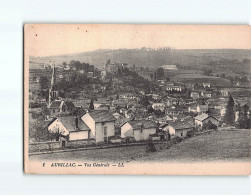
<point x="76" y="122"/>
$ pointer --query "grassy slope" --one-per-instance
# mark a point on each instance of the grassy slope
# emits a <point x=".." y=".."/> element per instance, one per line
<point x="217" y="146"/>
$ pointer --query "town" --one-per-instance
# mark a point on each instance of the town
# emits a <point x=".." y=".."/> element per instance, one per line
<point x="76" y="104"/>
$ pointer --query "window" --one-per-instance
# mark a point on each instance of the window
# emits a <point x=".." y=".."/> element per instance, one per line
<point x="53" y="110"/>
<point x="181" y="134"/>
<point x="105" y="131"/>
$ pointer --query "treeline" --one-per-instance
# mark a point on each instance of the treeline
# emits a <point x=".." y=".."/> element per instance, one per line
<point x="242" y="112"/>
<point x="79" y="66"/>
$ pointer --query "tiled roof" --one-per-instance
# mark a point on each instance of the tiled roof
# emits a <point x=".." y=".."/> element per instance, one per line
<point x="183" y="124"/>
<point x="201" y="117"/>
<point x="70" y="124"/>
<point x="102" y="116"/>
<point x="146" y="124"/>
<point x="70" y="105"/>
<point x="55" y="104"/>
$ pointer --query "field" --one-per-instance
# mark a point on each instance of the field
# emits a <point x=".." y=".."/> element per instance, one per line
<point x="224" y="145"/>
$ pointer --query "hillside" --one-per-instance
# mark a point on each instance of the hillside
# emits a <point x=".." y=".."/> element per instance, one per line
<point x="155" y="58"/>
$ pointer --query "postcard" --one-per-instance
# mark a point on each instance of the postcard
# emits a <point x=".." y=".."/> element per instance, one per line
<point x="137" y="99"/>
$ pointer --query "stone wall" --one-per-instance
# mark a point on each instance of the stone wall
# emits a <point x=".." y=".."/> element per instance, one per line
<point x="42" y="146"/>
<point x="79" y="143"/>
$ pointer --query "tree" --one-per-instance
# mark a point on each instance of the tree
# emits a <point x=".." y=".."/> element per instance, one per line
<point x="150" y="109"/>
<point x="230" y="114"/>
<point x="144" y="101"/>
<point x="223" y="75"/>
<point x="91" y="107"/>
<point x="208" y="72"/>
<point x="41" y="133"/>
<point x="45" y="111"/>
<point x="160" y="73"/>
<point x="44" y="82"/>
<point x="151" y="75"/>
<point x="243" y="120"/>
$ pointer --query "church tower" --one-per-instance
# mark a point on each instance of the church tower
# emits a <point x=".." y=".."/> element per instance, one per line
<point x="53" y="93"/>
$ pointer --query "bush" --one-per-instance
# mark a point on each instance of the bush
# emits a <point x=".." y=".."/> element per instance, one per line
<point x="130" y="140"/>
<point x="177" y="139"/>
<point x="191" y="133"/>
<point x="150" y="147"/>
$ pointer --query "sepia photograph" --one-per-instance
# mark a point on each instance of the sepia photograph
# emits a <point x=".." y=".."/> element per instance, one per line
<point x="137" y="99"/>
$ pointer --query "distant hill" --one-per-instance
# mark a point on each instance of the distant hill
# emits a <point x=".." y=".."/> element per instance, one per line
<point x="150" y="59"/>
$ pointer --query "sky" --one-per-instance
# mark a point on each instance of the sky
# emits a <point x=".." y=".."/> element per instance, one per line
<point x="58" y="39"/>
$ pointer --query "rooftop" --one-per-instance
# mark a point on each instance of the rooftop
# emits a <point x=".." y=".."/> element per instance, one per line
<point x="70" y="125"/>
<point x="201" y="117"/>
<point x="102" y="116"/>
<point x="188" y="123"/>
<point x="146" y="124"/>
<point x="55" y="104"/>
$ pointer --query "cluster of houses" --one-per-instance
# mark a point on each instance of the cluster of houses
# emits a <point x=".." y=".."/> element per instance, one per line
<point x="100" y="125"/>
<point x="174" y="111"/>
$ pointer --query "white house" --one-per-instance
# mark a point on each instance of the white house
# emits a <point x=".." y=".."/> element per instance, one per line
<point x="101" y="124"/>
<point x="169" y="67"/>
<point x="195" y="95"/>
<point x="206" y="85"/>
<point x="180" y="128"/>
<point x="224" y="93"/>
<point x="202" y="108"/>
<point x="200" y="120"/>
<point x="139" y="129"/>
<point x="159" y="106"/>
<point x="69" y="126"/>
<point x="206" y="94"/>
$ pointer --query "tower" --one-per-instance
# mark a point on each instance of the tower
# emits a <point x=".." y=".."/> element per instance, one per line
<point x="52" y="92"/>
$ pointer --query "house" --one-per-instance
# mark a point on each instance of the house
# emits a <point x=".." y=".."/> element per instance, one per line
<point x="101" y="123"/>
<point x="194" y="95"/>
<point x="164" y="119"/>
<point x="119" y="103"/>
<point x="103" y="73"/>
<point x="206" y="94"/>
<point x="172" y="101"/>
<point x="206" y="85"/>
<point x="224" y="93"/>
<point x="174" y="111"/>
<point x="70" y="126"/>
<point x="169" y="67"/>
<point x="159" y="106"/>
<point x="139" y="129"/>
<point x="203" y="118"/>
<point x="60" y="106"/>
<point x="170" y="86"/>
<point x="202" y="108"/>
<point x="180" y="128"/>
<point x="192" y="107"/>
